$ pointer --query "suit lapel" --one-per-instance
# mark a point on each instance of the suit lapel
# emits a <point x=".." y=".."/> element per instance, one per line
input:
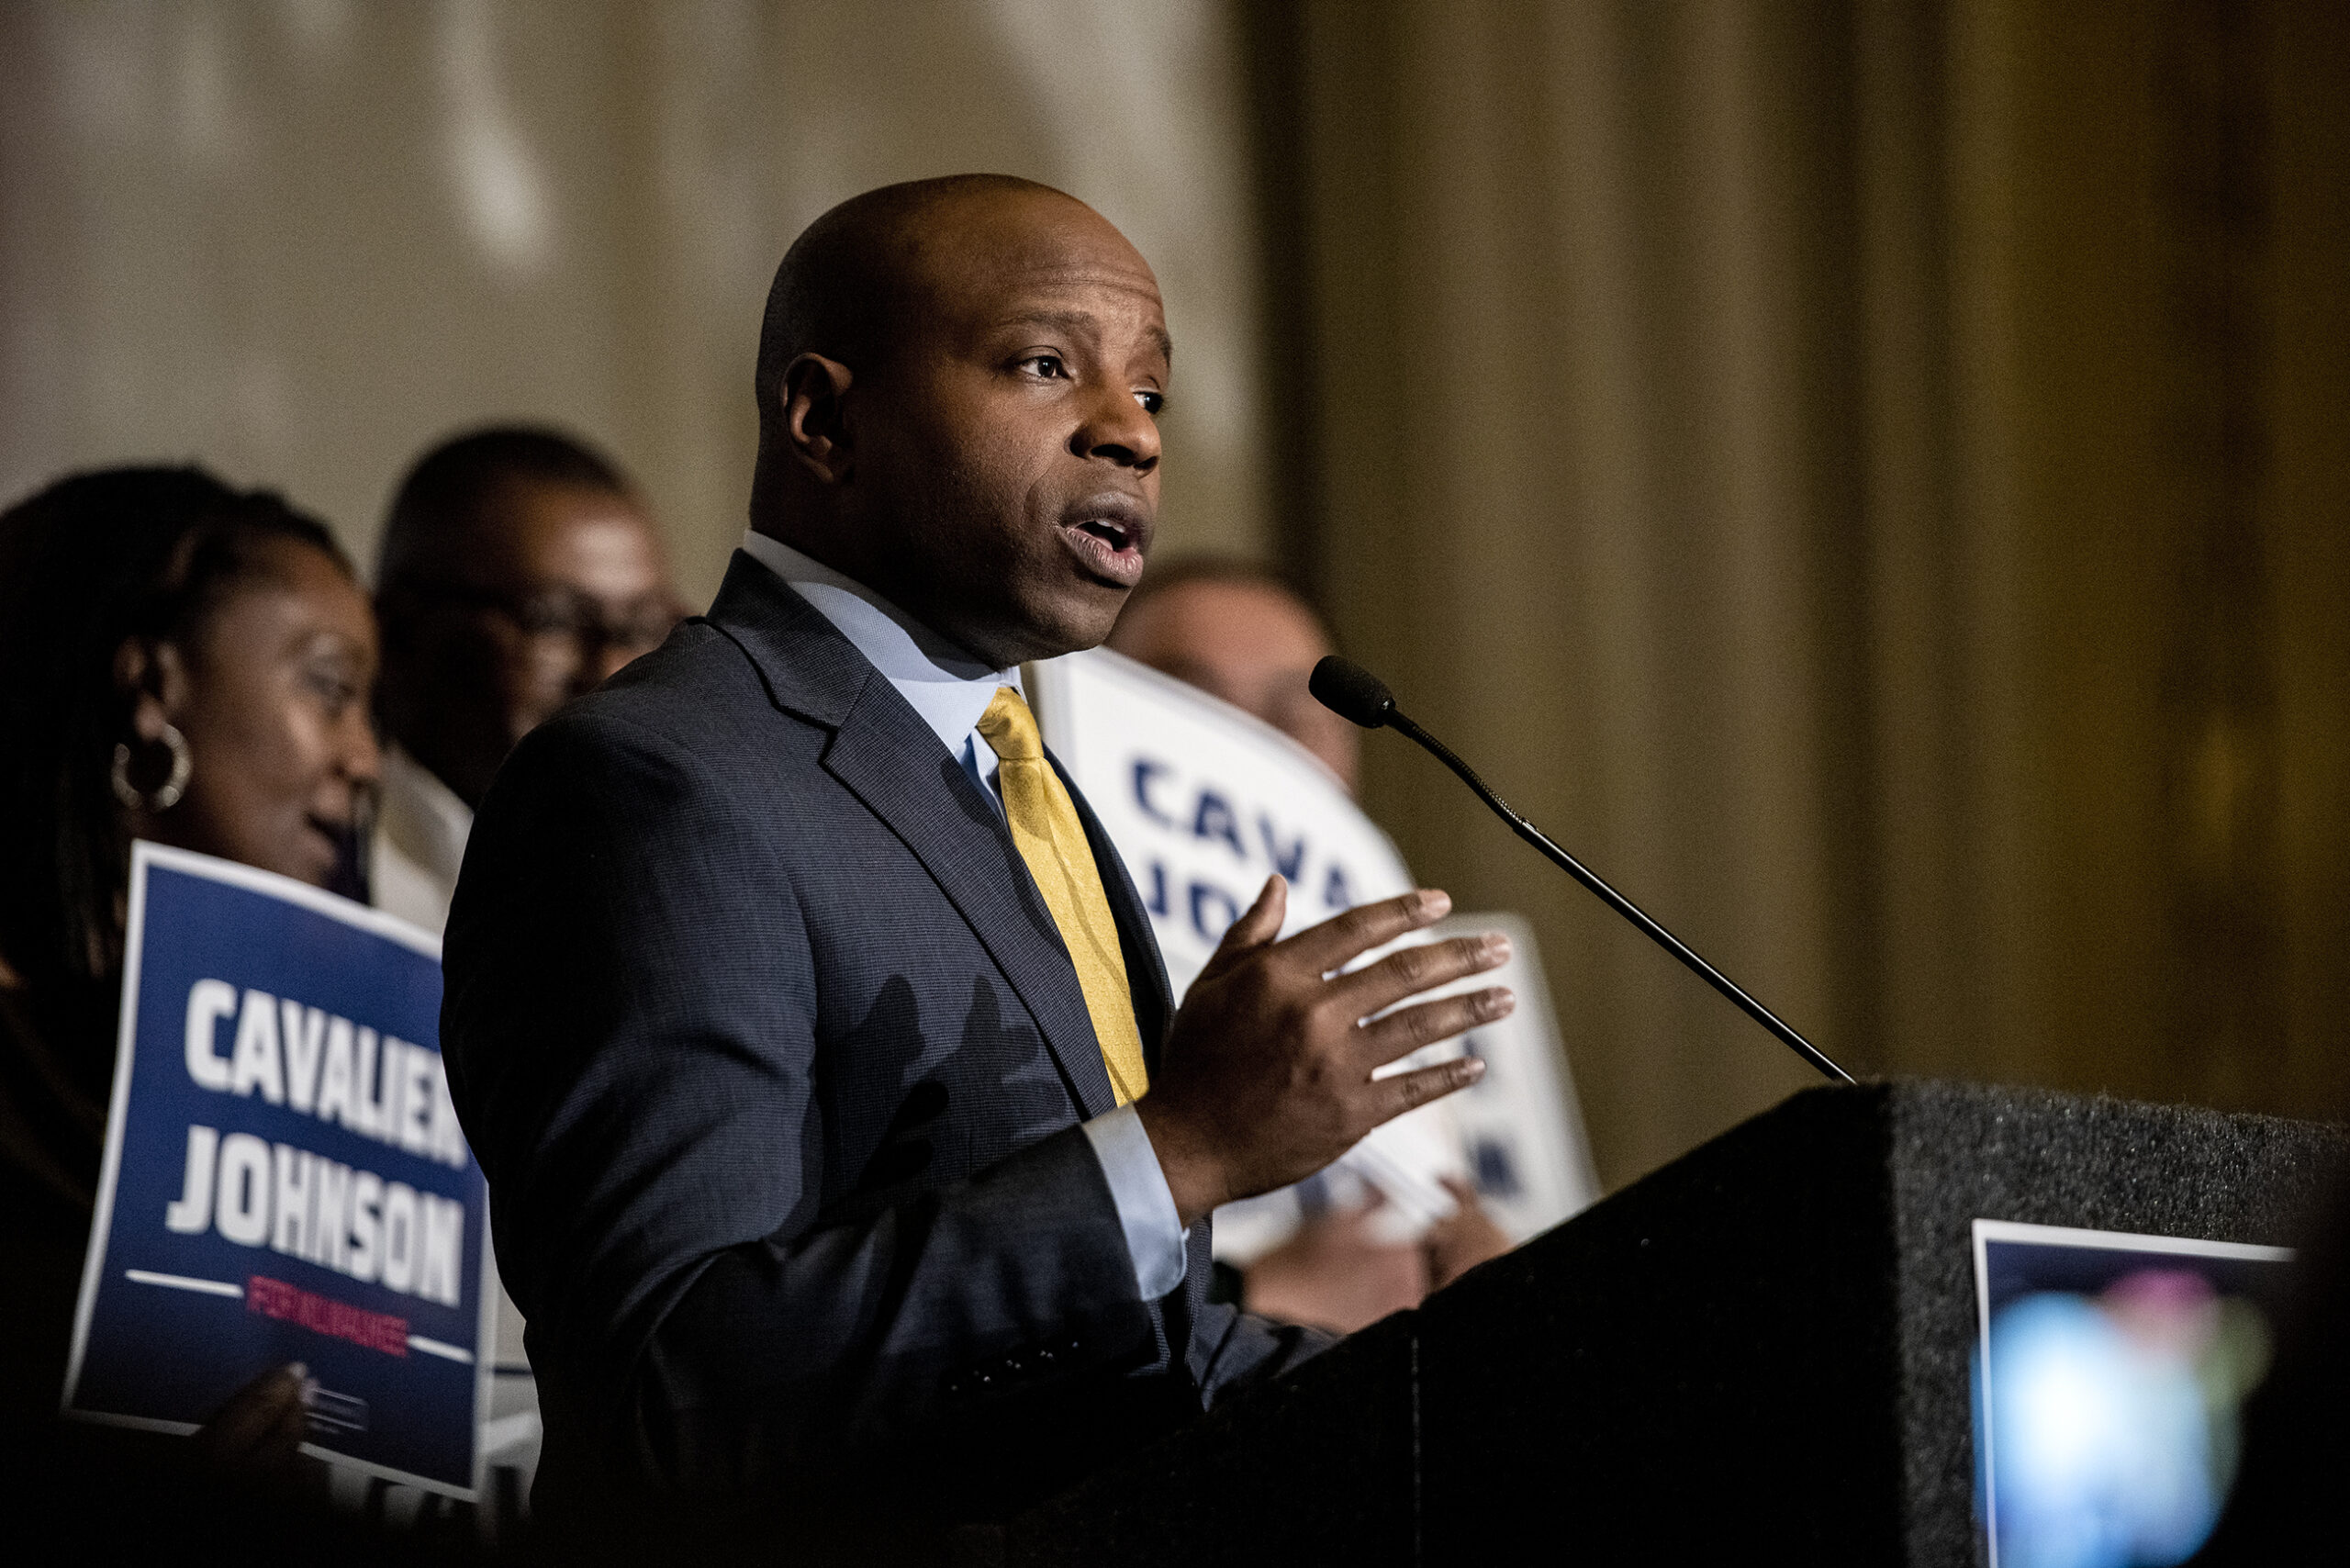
<point x="1146" y="970"/>
<point x="884" y="755"/>
<point x="808" y="667"/>
<point x="893" y="763"/>
<point x="1154" y="1010"/>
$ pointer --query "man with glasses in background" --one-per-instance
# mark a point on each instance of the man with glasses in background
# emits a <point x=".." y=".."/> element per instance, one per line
<point x="519" y="570"/>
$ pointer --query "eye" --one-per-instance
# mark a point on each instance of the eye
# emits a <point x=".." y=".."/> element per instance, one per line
<point x="334" y="690"/>
<point x="1152" y="402"/>
<point x="1045" y="366"/>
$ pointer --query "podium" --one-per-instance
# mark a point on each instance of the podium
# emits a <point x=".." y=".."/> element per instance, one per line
<point x="1761" y="1351"/>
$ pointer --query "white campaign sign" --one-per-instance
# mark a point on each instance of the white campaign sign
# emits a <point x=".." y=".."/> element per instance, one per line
<point x="1204" y="802"/>
<point x="1519" y="1126"/>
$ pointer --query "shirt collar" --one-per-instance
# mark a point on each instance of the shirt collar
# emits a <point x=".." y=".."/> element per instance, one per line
<point x="946" y="684"/>
<point x="422" y="815"/>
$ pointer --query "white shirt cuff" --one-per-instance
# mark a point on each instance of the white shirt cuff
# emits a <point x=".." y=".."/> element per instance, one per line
<point x="1155" y="1233"/>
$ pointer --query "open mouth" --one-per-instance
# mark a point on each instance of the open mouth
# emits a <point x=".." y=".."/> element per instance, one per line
<point x="1117" y="535"/>
<point x="1108" y="545"/>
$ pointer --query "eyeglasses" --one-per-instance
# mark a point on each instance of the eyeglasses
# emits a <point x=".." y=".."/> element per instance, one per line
<point x="569" y="619"/>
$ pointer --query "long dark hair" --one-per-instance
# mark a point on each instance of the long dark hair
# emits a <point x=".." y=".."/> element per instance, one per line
<point x="85" y="563"/>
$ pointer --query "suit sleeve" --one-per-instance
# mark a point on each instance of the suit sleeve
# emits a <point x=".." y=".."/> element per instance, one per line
<point x="630" y="1026"/>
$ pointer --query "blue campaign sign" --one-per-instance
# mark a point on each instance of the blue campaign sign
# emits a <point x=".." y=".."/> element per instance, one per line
<point x="284" y="1179"/>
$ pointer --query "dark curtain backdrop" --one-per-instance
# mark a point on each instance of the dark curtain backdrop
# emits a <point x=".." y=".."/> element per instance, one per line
<point x="1870" y="476"/>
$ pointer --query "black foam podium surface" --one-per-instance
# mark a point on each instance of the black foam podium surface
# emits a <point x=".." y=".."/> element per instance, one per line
<point x="1761" y="1349"/>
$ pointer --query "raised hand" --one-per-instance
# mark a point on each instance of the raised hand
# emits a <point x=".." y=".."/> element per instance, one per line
<point x="1267" y="1075"/>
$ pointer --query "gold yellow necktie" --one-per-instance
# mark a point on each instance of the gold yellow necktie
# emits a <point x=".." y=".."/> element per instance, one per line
<point x="1051" y="839"/>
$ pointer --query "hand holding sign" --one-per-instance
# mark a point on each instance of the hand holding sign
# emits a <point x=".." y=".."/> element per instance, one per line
<point x="284" y="1178"/>
<point x="262" y="1427"/>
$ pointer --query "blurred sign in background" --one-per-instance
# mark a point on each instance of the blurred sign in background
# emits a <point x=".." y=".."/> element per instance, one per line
<point x="1204" y="802"/>
<point x="1868" y="475"/>
<point x="284" y="1179"/>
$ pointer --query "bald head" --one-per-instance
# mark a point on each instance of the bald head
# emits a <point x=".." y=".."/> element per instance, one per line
<point x="957" y="383"/>
<point x="860" y="276"/>
<point x="848" y="274"/>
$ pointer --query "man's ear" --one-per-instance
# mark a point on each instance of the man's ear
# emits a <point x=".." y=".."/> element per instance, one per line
<point x="155" y="676"/>
<point x="815" y="416"/>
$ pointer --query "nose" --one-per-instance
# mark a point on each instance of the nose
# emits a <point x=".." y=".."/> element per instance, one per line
<point x="362" y="757"/>
<point x="1116" y="430"/>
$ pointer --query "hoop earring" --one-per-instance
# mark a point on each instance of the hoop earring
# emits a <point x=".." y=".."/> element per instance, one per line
<point x="167" y="794"/>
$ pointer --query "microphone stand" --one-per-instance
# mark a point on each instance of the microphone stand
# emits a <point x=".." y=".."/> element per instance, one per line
<point x="1373" y="707"/>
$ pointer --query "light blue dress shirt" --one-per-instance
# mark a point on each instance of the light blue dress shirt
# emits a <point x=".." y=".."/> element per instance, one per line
<point x="951" y="690"/>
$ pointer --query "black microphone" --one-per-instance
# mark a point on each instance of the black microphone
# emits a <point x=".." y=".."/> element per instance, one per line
<point x="1354" y="693"/>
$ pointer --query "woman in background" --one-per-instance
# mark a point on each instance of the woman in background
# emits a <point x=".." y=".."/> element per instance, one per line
<point x="181" y="662"/>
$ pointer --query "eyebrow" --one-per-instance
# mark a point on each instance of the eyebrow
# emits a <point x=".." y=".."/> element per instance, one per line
<point x="1080" y="324"/>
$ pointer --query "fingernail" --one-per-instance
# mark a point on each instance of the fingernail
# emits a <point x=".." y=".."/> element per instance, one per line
<point x="1500" y="1003"/>
<point x="1472" y="1069"/>
<point x="1498" y="946"/>
<point x="1435" y="903"/>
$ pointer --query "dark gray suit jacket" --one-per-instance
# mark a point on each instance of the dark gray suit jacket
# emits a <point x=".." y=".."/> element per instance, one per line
<point x="776" y="1061"/>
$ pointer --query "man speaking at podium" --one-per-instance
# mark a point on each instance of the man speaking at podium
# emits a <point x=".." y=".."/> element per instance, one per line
<point x="847" y="1155"/>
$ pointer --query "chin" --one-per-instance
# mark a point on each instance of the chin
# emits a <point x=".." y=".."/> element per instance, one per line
<point x="1078" y="624"/>
<point x="1042" y="616"/>
<point x="311" y="860"/>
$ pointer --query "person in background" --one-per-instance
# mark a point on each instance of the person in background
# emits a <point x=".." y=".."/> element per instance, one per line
<point x="1238" y="631"/>
<point x="181" y="662"/>
<point x="518" y="569"/>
